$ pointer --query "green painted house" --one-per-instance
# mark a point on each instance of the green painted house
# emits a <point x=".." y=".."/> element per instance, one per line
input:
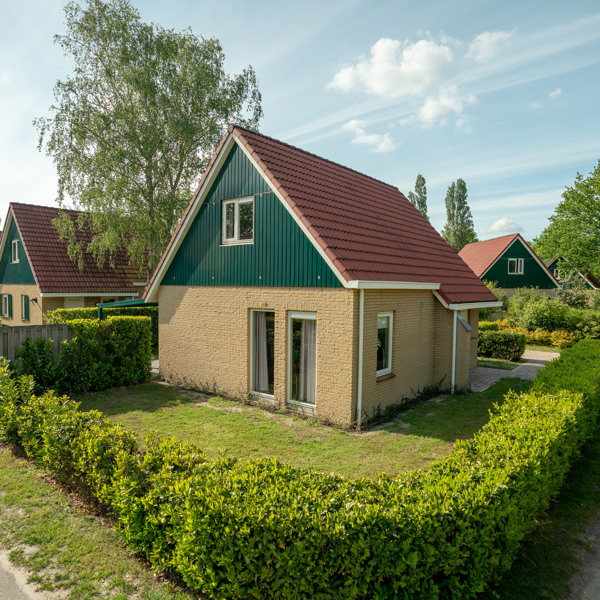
<point x="510" y="262"/>
<point x="557" y="267"/>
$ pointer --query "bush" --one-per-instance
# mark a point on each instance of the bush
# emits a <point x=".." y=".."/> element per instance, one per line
<point x="547" y="314"/>
<point x="501" y="344"/>
<point x="35" y="358"/>
<point x="489" y="326"/>
<point x="66" y="315"/>
<point x="521" y="298"/>
<point x="488" y="313"/>
<point x="260" y="528"/>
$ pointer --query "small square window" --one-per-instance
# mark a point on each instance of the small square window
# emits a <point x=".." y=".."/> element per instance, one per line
<point x="15" y="251"/>
<point x="515" y="266"/>
<point x="384" y="343"/>
<point x="238" y="221"/>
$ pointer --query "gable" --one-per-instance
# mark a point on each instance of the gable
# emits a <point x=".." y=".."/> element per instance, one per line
<point x="281" y="254"/>
<point x="534" y="275"/>
<point x="14" y="273"/>
<point x="555" y="264"/>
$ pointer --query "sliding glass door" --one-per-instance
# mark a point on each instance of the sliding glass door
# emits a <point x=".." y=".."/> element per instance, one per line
<point x="302" y="360"/>
<point x="263" y="352"/>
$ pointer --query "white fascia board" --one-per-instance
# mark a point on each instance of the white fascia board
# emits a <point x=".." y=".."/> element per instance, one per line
<point x="9" y="220"/>
<point x="198" y="202"/>
<point x="86" y="295"/>
<point x="467" y="305"/>
<point x="360" y="284"/>
<point x="294" y="216"/>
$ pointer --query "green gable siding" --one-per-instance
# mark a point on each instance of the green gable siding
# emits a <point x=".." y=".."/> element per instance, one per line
<point x="533" y="274"/>
<point x="280" y="256"/>
<point x="555" y="264"/>
<point x="15" y="273"/>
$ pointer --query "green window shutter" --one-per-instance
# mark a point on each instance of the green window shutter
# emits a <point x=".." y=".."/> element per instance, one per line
<point x="26" y="308"/>
<point x="10" y="305"/>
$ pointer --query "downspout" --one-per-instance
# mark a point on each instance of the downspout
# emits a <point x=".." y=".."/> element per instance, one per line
<point x="361" y="320"/>
<point x="453" y="352"/>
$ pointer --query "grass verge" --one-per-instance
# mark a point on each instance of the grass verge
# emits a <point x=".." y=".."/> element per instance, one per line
<point x="411" y="440"/>
<point x="499" y="363"/>
<point x="64" y="548"/>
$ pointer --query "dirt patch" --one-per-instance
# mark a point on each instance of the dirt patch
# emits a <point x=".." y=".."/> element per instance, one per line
<point x="16" y="584"/>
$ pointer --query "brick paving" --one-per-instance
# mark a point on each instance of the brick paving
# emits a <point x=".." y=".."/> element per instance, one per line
<point x="481" y="378"/>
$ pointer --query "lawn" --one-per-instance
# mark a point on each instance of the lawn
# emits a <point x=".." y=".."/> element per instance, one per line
<point x="499" y="363"/>
<point x="219" y="426"/>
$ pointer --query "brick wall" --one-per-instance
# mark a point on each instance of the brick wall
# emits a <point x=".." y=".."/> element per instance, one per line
<point x="35" y="308"/>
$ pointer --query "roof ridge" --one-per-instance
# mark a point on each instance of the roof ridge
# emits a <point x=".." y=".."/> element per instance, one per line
<point x="328" y="160"/>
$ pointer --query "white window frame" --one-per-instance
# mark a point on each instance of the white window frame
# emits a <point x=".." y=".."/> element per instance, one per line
<point x="300" y="406"/>
<point x="519" y="266"/>
<point x="15" y="251"/>
<point x="5" y="305"/>
<point x="235" y="240"/>
<point x="387" y="370"/>
<point x="270" y="397"/>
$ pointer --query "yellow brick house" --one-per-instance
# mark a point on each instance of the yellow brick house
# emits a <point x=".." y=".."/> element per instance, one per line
<point x="305" y="283"/>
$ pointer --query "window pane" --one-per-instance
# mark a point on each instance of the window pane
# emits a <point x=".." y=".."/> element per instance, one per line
<point x="304" y="360"/>
<point x="512" y="265"/>
<point x="230" y="221"/>
<point x="383" y="343"/>
<point x="246" y="220"/>
<point x="264" y="352"/>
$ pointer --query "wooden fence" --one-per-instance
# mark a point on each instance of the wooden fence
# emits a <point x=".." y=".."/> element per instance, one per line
<point x="11" y="338"/>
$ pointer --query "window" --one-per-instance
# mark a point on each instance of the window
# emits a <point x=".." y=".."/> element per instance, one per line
<point x="263" y="352"/>
<point x="515" y="266"/>
<point x="7" y="305"/>
<point x="238" y="221"/>
<point x="385" y="323"/>
<point x="15" y="251"/>
<point x="302" y="358"/>
<point x="25" y="308"/>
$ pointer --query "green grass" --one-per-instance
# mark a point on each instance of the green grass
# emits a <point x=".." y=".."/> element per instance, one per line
<point x="218" y="426"/>
<point x="64" y="548"/>
<point x="548" y="560"/>
<point x="543" y="348"/>
<point x="499" y="363"/>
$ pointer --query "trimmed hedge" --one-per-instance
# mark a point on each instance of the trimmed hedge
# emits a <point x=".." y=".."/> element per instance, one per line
<point x="113" y="352"/>
<point x="66" y="315"/>
<point x="501" y="344"/>
<point x="489" y="326"/>
<point x="259" y="528"/>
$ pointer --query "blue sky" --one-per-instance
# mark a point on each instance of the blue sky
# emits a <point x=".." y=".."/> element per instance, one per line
<point x="505" y="95"/>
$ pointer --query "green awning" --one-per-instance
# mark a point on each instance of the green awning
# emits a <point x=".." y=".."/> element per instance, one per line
<point x="121" y="303"/>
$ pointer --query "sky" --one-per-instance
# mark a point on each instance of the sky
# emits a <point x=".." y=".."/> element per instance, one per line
<point x="503" y="94"/>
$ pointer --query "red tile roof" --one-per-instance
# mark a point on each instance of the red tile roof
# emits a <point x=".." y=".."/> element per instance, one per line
<point x="480" y="256"/>
<point x="367" y="228"/>
<point x="52" y="268"/>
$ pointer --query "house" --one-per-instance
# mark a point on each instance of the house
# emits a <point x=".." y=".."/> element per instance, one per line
<point x="37" y="275"/>
<point x="302" y="282"/>
<point x="589" y="281"/>
<point x="510" y="262"/>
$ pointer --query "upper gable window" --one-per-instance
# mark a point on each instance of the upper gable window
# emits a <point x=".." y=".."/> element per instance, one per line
<point x="15" y="251"/>
<point x="238" y="221"/>
<point x="515" y="266"/>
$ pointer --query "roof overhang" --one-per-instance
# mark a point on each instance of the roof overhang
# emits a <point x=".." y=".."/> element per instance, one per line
<point x="361" y="284"/>
<point x="86" y="294"/>
<point x="467" y="305"/>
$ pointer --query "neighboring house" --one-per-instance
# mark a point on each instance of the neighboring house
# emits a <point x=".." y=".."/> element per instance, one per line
<point x="37" y="275"/>
<point x="510" y="262"/>
<point x="590" y="282"/>
<point x="305" y="283"/>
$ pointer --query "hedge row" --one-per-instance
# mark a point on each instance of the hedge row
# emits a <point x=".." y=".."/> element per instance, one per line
<point x="259" y="528"/>
<point x="558" y="338"/>
<point x="66" y="315"/>
<point x="501" y="344"/>
<point x="113" y="352"/>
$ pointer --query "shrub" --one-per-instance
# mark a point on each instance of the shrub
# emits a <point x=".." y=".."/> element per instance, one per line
<point x="488" y="313"/>
<point x="501" y="344"/>
<point x="489" y="326"/>
<point x="260" y="528"/>
<point x="521" y="298"/>
<point x="547" y="314"/>
<point x="35" y="358"/>
<point x="66" y="315"/>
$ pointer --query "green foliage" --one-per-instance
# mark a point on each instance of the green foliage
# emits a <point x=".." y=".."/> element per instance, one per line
<point x="489" y="326"/>
<point x="418" y="198"/>
<point x="113" y="352"/>
<point x="573" y="291"/>
<point x="501" y="344"/>
<point x="548" y="314"/>
<point x="521" y="298"/>
<point x="488" y="313"/>
<point x="66" y="315"/>
<point x="135" y="124"/>
<point x="459" y="229"/>
<point x="259" y="528"/>
<point x="574" y="230"/>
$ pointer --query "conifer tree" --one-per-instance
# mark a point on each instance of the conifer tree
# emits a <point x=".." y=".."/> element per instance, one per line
<point x="418" y="198"/>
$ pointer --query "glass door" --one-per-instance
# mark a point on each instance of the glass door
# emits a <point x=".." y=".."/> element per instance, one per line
<point x="263" y="352"/>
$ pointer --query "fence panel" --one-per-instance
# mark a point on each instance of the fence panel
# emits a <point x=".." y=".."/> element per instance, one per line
<point x="11" y="338"/>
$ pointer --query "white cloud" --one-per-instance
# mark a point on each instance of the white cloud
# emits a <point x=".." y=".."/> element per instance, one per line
<point x="487" y="45"/>
<point x="535" y="105"/>
<point x="555" y="93"/>
<point x="378" y="142"/>
<point x="447" y="101"/>
<point x="503" y="226"/>
<point x="397" y="69"/>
